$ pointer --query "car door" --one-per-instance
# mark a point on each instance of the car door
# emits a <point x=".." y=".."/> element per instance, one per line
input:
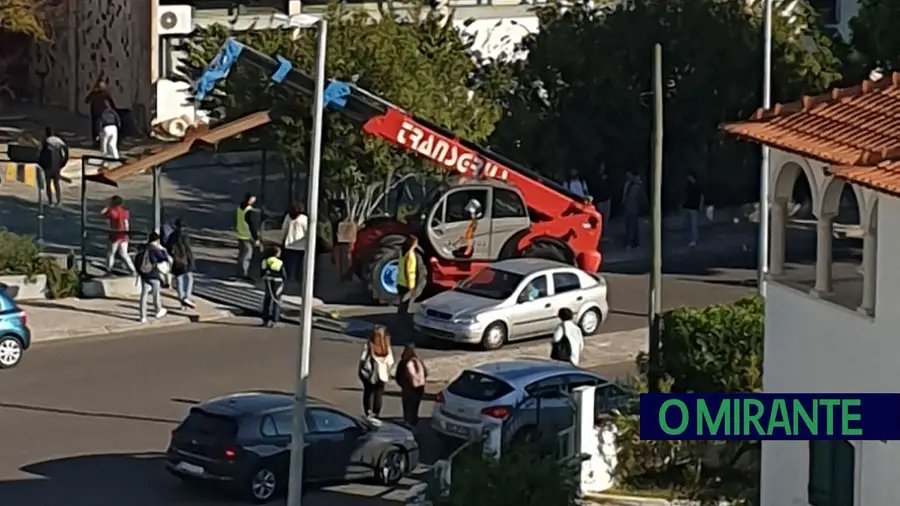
<point x="533" y="310"/>
<point x="508" y="216"/>
<point x="567" y="291"/>
<point x="335" y="440"/>
<point x="276" y="442"/>
<point x="548" y="406"/>
<point x="449" y="222"/>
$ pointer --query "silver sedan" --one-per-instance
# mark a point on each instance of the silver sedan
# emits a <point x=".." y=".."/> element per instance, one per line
<point x="514" y="299"/>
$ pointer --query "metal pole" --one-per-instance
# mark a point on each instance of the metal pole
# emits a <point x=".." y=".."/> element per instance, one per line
<point x="42" y="187"/>
<point x="157" y="202"/>
<point x="656" y="272"/>
<point x="84" y="230"/>
<point x="763" y="268"/>
<point x="297" y="442"/>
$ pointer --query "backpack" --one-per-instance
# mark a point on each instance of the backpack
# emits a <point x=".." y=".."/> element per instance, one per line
<point x="415" y="371"/>
<point x="367" y="369"/>
<point x="562" y="350"/>
<point x="179" y="254"/>
<point x="143" y="261"/>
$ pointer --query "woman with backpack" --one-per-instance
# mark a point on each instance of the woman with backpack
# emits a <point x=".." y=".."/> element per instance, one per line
<point x="411" y="377"/>
<point x="374" y="370"/>
<point x="568" y="341"/>
<point x="178" y="243"/>
<point x="153" y="262"/>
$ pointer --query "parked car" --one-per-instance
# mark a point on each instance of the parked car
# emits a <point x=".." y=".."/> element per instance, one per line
<point x="15" y="336"/>
<point x="514" y="299"/>
<point x="532" y="398"/>
<point x="242" y="441"/>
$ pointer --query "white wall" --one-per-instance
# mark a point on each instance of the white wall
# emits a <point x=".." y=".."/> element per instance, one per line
<point x="813" y="346"/>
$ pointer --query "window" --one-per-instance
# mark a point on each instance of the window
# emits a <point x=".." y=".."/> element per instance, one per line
<point x="478" y="386"/>
<point x="534" y="290"/>
<point x="831" y="473"/>
<point x="491" y="283"/>
<point x="581" y="380"/>
<point x="457" y="202"/>
<point x="566" y="282"/>
<point x="507" y="204"/>
<point x="326" y="420"/>
<point x="548" y="388"/>
<point x="279" y="424"/>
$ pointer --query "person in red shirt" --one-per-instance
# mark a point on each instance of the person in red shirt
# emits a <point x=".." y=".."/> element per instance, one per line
<point x="118" y="218"/>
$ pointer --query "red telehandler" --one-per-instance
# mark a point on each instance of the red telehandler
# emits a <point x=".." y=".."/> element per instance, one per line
<point x="495" y="209"/>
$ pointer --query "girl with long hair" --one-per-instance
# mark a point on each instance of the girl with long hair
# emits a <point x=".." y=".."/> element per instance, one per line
<point x="411" y="376"/>
<point x="374" y="370"/>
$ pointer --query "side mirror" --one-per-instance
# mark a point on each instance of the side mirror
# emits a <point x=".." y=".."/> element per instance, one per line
<point x="473" y="208"/>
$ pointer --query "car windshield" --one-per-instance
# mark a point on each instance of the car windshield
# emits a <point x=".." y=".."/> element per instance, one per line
<point x="491" y="283"/>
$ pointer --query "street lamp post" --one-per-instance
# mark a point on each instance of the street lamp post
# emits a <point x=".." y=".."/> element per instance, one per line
<point x="298" y="443"/>
<point x="763" y="268"/>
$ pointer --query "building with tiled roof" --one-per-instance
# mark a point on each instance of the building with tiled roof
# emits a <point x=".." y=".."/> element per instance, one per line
<point x="843" y="142"/>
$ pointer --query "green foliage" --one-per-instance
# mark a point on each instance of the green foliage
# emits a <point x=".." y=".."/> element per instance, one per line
<point x="573" y="109"/>
<point x="717" y="349"/>
<point x="875" y="33"/>
<point x="523" y="476"/>
<point x="20" y="256"/>
<point x="420" y="66"/>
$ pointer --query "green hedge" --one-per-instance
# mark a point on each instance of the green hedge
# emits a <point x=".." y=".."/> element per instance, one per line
<point x="20" y="256"/>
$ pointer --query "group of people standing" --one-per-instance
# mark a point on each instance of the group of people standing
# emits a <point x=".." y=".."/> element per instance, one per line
<point x="376" y="369"/>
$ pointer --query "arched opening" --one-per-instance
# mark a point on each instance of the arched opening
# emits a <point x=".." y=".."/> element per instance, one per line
<point x="793" y="227"/>
<point x="841" y="206"/>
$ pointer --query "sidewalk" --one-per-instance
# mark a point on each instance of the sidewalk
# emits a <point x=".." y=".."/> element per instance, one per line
<point x="68" y="318"/>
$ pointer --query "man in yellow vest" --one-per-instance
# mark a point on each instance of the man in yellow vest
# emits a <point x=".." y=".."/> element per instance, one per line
<point x="247" y="233"/>
<point x="273" y="278"/>
<point x="406" y="276"/>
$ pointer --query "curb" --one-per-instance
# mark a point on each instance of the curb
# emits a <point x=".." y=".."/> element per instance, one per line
<point x="25" y="173"/>
<point x="626" y="500"/>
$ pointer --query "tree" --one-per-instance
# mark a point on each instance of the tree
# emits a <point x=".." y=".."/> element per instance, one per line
<point x="875" y="35"/>
<point x="422" y="66"/>
<point x="585" y="92"/>
<point x="22" y="22"/>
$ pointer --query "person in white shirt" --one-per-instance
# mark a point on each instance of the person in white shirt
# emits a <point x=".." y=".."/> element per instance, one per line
<point x="293" y="236"/>
<point x="577" y="185"/>
<point x="571" y="332"/>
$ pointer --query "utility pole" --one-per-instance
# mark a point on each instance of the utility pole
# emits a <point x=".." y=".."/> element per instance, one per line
<point x="763" y="267"/>
<point x="656" y="207"/>
<point x="298" y="432"/>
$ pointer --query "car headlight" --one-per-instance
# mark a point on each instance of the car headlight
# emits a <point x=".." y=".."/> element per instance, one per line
<point x="465" y="319"/>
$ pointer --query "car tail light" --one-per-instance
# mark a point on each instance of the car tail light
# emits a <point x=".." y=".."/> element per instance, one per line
<point x="230" y="454"/>
<point x="439" y="398"/>
<point x="23" y="318"/>
<point x="498" y="412"/>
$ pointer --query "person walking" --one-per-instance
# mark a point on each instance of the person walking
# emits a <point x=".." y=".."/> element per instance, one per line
<point x="374" y="370"/>
<point x="178" y="244"/>
<point x="98" y="100"/>
<point x="53" y="157"/>
<point x="633" y="199"/>
<point x="109" y="132"/>
<point x="693" y="202"/>
<point x="247" y="231"/>
<point x="273" y="277"/>
<point x="119" y="224"/>
<point x="411" y="378"/>
<point x="568" y="341"/>
<point x="407" y="273"/>
<point x="293" y="236"/>
<point x="153" y="263"/>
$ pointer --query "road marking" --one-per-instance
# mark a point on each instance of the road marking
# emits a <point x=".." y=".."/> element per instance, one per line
<point x="609" y="348"/>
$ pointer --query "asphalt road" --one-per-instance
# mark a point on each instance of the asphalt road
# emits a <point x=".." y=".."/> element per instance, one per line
<point x="84" y="421"/>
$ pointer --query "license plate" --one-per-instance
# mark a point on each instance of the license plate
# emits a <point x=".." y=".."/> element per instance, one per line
<point x="189" y="468"/>
<point x="457" y="429"/>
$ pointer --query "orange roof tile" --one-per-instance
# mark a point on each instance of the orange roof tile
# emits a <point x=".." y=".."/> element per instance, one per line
<point x="858" y="126"/>
<point x="884" y="177"/>
<point x="202" y="136"/>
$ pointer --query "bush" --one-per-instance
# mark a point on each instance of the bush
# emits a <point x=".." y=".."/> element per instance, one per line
<point x="716" y="349"/>
<point x="523" y="476"/>
<point x="20" y="256"/>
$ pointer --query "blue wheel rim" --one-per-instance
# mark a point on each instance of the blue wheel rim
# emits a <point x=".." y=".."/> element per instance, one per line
<point x="388" y="277"/>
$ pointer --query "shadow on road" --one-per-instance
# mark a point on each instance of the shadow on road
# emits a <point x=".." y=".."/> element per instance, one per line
<point x="428" y="397"/>
<point x="88" y="414"/>
<point x="137" y="479"/>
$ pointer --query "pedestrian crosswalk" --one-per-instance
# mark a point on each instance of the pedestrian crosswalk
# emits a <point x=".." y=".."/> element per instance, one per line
<point x="242" y="296"/>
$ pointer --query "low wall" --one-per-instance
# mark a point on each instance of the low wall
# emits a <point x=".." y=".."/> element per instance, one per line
<point x="22" y="288"/>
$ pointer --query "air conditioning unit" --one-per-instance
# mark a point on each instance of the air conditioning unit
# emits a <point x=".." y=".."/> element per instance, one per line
<point x="175" y="19"/>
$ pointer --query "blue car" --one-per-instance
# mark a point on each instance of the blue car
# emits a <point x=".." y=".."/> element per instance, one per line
<point x="15" y="336"/>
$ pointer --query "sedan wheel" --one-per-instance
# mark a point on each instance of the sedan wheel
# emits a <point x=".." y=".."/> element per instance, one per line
<point x="590" y="322"/>
<point x="10" y="352"/>
<point x="393" y="467"/>
<point x="494" y="336"/>
<point x="262" y="486"/>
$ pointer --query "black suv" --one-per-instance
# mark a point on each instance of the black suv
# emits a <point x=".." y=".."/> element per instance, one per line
<point x="242" y="441"/>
